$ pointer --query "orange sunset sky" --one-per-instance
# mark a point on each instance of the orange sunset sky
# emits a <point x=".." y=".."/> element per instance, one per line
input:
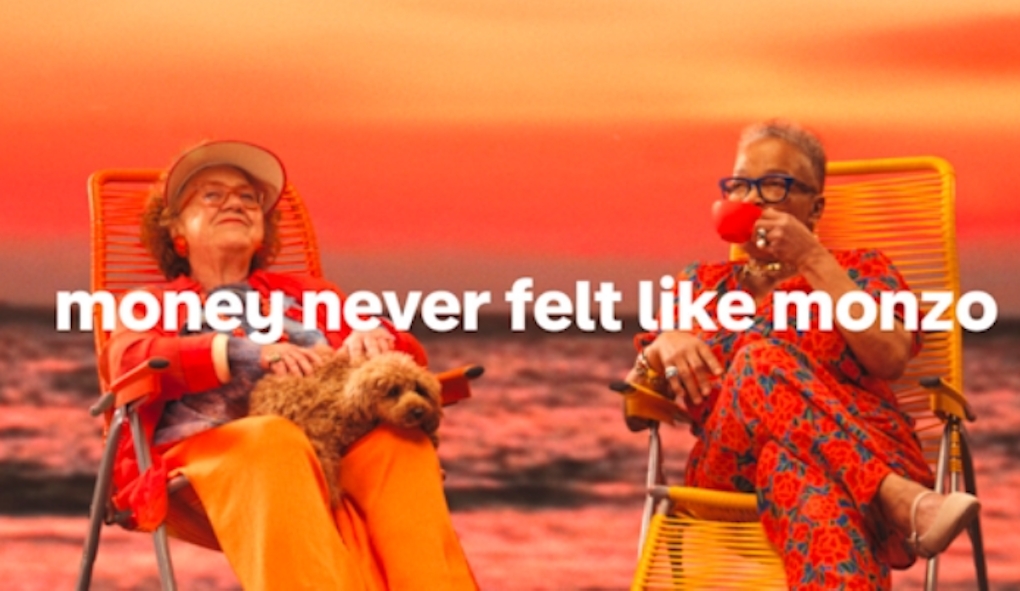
<point x="461" y="144"/>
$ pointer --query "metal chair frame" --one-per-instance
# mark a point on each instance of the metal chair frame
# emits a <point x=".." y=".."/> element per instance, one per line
<point x="120" y="263"/>
<point x="669" y="510"/>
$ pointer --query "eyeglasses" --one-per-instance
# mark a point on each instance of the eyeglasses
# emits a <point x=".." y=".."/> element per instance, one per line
<point x="773" y="188"/>
<point x="214" y="194"/>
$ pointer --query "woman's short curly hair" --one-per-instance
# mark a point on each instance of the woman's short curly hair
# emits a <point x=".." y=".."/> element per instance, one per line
<point x="795" y="135"/>
<point x="158" y="217"/>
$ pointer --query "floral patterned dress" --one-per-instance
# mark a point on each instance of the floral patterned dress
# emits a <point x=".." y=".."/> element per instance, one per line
<point x="798" y="420"/>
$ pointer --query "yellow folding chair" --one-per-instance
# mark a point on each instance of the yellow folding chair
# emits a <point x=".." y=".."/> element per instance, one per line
<point x="695" y="538"/>
<point x="120" y="263"/>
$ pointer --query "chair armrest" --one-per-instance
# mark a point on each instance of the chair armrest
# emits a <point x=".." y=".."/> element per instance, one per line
<point x="708" y="504"/>
<point x="136" y="384"/>
<point x="946" y="400"/>
<point x="456" y="383"/>
<point x="644" y="403"/>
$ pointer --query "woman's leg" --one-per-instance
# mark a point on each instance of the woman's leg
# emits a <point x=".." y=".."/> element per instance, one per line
<point x="262" y="489"/>
<point x="773" y="395"/>
<point x="773" y="392"/>
<point x="823" y="540"/>
<point x="394" y="505"/>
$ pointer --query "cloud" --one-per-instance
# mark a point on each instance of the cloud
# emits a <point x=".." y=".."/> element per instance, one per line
<point x="461" y="62"/>
<point x="983" y="48"/>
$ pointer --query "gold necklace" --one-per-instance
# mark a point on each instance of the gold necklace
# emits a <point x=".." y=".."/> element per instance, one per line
<point x="771" y="270"/>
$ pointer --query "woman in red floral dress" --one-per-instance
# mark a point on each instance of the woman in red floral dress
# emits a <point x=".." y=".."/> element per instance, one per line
<point x="806" y="418"/>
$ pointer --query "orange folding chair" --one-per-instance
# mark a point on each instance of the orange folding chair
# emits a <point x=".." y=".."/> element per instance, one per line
<point x="695" y="538"/>
<point x="120" y="263"/>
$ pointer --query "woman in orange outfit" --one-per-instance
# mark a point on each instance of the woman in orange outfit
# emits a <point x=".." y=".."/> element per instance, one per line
<point x="256" y="488"/>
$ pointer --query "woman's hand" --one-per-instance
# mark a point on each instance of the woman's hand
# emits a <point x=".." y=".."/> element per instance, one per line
<point x="288" y="359"/>
<point x="686" y="362"/>
<point x="884" y="354"/>
<point x="675" y="349"/>
<point x="787" y="240"/>
<point x="360" y="346"/>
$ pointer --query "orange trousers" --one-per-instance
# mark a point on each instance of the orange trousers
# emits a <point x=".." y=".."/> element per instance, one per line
<point x="258" y="494"/>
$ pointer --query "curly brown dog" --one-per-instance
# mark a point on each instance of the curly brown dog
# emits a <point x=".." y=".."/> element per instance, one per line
<point x="339" y="403"/>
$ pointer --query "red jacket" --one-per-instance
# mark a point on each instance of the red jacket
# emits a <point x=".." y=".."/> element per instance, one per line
<point x="191" y="370"/>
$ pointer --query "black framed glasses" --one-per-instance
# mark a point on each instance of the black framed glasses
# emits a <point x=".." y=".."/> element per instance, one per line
<point x="773" y="188"/>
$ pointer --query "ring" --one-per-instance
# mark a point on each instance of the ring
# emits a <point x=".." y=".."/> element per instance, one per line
<point x="275" y="358"/>
<point x="762" y="240"/>
<point x="671" y="372"/>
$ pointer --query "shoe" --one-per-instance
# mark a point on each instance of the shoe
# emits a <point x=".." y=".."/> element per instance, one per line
<point x="955" y="514"/>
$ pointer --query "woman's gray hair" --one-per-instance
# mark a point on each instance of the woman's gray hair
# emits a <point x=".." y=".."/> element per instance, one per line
<point x="795" y="135"/>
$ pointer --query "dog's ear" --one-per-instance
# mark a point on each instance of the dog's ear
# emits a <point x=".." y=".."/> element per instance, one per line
<point x="431" y="423"/>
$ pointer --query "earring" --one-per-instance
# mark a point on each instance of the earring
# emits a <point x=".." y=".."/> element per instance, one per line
<point x="181" y="246"/>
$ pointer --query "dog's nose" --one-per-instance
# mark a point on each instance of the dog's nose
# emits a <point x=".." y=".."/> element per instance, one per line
<point x="418" y="413"/>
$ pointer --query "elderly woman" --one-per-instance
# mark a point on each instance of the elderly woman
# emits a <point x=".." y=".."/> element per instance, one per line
<point x="805" y="418"/>
<point x="256" y="488"/>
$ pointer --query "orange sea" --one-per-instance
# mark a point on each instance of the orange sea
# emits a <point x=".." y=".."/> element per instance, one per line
<point x="544" y="481"/>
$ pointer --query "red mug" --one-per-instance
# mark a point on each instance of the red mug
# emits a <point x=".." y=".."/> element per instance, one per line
<point x="734" y="220"/>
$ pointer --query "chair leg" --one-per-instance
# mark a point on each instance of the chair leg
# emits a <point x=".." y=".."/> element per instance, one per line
<point x="159" y="537"/>
<point x="932" y="570"/>
<point x="100" y="495"/>
<point x="977" y="544"/>
<point x="166" y="569"/>
<point x="652" y="479"/>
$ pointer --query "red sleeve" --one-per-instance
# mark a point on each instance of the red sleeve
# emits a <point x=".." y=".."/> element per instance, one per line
<point x="406" y="343"/>
<point x="128" y="348"/>
<point x="874" y="273"/>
